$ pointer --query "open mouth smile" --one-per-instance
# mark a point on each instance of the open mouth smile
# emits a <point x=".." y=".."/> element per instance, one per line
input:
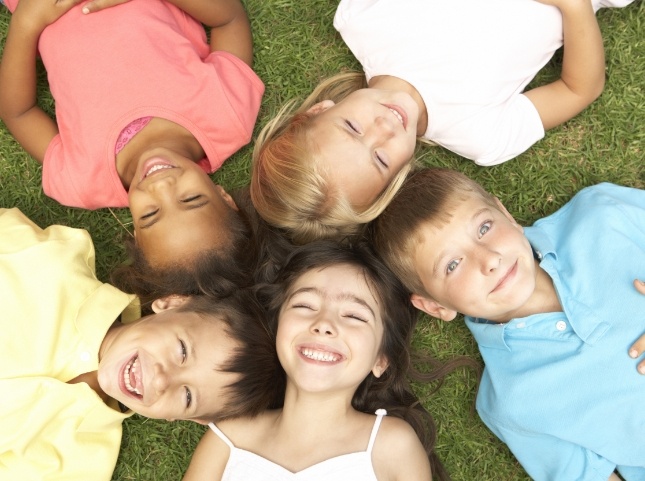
<point x="132" y="378"/>
<point x="320" y="355"/>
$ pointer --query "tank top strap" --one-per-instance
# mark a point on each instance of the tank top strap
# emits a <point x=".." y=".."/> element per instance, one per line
<point x="221" y="435"/>
<point x="377" y="423"/>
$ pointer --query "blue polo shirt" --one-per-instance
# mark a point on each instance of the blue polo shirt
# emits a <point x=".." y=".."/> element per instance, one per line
<point x="559" y="388"/>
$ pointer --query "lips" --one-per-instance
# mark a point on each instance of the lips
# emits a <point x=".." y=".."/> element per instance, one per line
<point x="510" y="274"/>
<point x="320" y="354"/>
<point x="155" y="165"/>
<point x="131" y="384"/>
<point x="399" y="113"/>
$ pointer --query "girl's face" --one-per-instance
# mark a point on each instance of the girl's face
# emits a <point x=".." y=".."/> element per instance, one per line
<point x="364" y="141"/>
<point x="176" y="208"/>
<point x="330" y="330"/>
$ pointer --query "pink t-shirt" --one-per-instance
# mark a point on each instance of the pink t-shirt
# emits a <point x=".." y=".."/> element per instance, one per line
<point x="142" y="58"/>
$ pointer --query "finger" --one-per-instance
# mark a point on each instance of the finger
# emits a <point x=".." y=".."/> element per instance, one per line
<point x="98" y="5"/>
<point x="641" y="367"/>
<point x="637" y="348"/>
<point x="640" y="286"/>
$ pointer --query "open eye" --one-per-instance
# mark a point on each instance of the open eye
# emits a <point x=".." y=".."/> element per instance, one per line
<point x="484" y="228"/>
<point x="452" y="265"/>
<point x="184" y="351"/>
<point x="189" y="398"/>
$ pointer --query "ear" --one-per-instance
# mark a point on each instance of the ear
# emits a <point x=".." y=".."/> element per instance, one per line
<point x="380" y="365"/>
<point x="320" y="107"/>
<point x="432" y="307"/>
<point x="226" y="196"/>
<point x="507" y="214"/>
<point x="168" y="302"/>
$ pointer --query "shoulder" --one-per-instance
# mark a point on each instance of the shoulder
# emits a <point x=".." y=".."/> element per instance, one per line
<point x="398" y="452"/>
<point x="602" y="202"/>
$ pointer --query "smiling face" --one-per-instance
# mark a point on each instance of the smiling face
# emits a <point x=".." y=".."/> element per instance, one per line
<point x="479" y="263"/>
<point x="176" y="208"/>
<point x="330" y="330"/>
<point x="364" y="141"/>
<point x="168" y="365"/>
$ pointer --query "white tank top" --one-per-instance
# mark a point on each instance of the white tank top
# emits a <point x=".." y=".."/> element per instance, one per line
<point x="244" y="465"/>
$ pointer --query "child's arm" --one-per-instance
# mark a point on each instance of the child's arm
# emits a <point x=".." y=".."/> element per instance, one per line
<point x="230" y="28"/>
<point x="583" y="67"/>
<point x="398" y="454"/>
<point x="209" y="459"/>
<point x="28" y="123"/>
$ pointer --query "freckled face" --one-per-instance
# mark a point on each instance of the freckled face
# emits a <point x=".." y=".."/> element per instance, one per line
<point x="365" y="140"/>
<point x="166" y="366"/>
<point x="479" y="264"/>
<point x="330" y="330"/>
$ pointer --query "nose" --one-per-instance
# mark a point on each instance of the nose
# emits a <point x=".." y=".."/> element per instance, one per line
<point x="323" y="326"/>
<point x="382" y="129"/>
<point x="161" y="380"/>
<point x="489" y="260"/>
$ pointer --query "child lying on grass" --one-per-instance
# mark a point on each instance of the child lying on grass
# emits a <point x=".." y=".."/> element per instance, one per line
<point x="72" y="369"/>
<point x="554" y="309"/>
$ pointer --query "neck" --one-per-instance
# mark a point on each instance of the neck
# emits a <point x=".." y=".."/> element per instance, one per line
<point x="389" y="82"/>
<point x="159" y="133"/>
<point x="317" y="411"/>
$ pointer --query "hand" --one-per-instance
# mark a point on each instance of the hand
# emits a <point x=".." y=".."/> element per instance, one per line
<point x="35" y="15"/>
<point x="639" y="346"/>
<point x="98" y="5"/>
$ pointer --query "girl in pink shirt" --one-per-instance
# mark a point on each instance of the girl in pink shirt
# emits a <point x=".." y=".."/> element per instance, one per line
<point x="146" y="107"/>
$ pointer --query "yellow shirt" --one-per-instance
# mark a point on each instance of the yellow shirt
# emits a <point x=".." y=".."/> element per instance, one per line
<point x="53" y="317"/>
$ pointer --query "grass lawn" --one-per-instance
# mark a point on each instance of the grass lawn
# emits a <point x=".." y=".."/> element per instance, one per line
<point x="295" y="47"/>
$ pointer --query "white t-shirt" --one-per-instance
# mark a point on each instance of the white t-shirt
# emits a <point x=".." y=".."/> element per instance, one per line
<point x="469" y="59"/>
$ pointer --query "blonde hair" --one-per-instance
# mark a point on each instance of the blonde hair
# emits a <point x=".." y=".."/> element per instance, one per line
<point x="289" y="189"/>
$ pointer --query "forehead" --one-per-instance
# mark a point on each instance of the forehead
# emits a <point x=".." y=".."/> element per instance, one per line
<point x="182" y="236"/>
<point x="335" y="278"/>
<point x="455" y="217"/>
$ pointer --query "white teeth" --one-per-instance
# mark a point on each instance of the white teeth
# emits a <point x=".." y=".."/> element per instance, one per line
<point x="133" y="366"/>
<point x="397" y="115"/>
<point x="158" y="167"/>
<point x="320" y="355"/>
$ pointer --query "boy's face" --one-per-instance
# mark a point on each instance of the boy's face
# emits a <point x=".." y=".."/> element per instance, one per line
<point x="479" y="263"/>
<point x="176" y="208"/>
<point x="167" y="365"/>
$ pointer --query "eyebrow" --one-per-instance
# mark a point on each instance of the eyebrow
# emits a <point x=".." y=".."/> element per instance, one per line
<point x="441" y="254"/>
<point x="188" y="207"/>
<point x="343" y="296"/>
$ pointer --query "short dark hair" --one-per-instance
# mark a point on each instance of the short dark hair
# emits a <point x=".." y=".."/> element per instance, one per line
<point x="255" y="359"/>
<point x="426" y="197"/>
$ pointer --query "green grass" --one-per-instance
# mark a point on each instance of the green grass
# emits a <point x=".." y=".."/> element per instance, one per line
<point x="296" y="46"/>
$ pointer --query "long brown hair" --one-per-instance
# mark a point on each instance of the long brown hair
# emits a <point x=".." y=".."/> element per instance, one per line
<point x="392" y="390"/>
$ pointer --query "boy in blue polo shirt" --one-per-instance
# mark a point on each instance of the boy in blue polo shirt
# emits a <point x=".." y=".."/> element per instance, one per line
<point x="554" y="308"/>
